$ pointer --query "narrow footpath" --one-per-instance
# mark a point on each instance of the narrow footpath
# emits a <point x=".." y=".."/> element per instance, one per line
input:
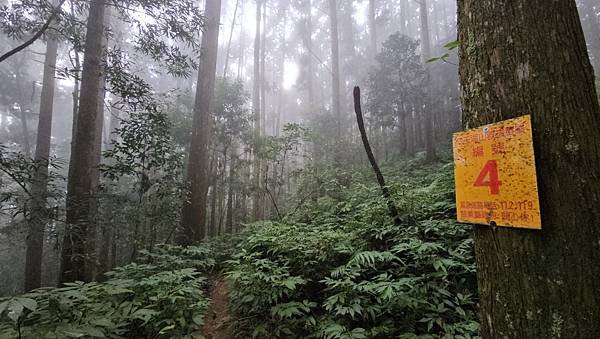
<point x="216" y="323"/>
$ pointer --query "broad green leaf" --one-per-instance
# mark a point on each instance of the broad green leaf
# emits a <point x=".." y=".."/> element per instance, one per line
<point x="28" y="303"/>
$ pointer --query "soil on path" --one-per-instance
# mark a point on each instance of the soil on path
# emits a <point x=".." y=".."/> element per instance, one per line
<point x="216" y="321"/>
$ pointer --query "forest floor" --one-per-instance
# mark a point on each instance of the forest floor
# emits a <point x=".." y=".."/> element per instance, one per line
<point x="217" y="318"/>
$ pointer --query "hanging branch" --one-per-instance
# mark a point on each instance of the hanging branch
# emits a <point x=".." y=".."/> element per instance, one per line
<point x="384" y="189"/>
<point x="36" y="36"/>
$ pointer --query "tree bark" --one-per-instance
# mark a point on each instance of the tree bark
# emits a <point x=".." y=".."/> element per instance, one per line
<point x="194" y="209"/>
<point x="81" y="166"/>
<point x="38" y="217"/>
<point x="529" y="57"/>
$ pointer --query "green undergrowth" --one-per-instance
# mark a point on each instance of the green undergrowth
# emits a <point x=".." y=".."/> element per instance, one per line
<point x="162" y="295"/>
<point x="339" y="268"/>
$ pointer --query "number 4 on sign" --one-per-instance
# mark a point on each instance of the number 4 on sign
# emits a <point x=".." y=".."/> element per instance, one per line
<point x="489" y="177"/>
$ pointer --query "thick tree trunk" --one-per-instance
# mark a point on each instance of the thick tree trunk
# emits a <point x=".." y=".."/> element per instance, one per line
<point x="38" y="217"/>
<point x="529" y="57"/>
<point x="81" y="166"/>
<point x="194" y="210"/>
<point x="335" y="66"/>
<point x="427" y="115"/>
<point x="93" y="231"/>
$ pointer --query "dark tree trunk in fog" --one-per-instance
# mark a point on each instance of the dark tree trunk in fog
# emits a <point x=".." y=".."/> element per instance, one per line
<point x="38" y="217"/>
<point x="81" y="166"/>
<point x="194" y="209"/>
<point x="427" y="115"/>
<point x="335" y="66"/>
<point x="380" y="179"/>
<point x="529" y="56"/>
<point x="256" y="110"/>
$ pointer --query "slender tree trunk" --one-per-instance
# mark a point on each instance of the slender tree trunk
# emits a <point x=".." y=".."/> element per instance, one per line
<point x="242" y="46"/>
<point x="427" y="115"/>
<point x="81" y="166"/>
<point x="194" y="210"/>
<point x="538" y="284"/>
<point x="228" y="51"/>
<point x="38" y="212"/>
<point x="76" y="88"/>
<point x="229" y="216"/>
<point x="256" y="109"/>
<point x="213" y="208"/>
<point x="307" y="38"/>
<point x="393" y="210"/>
<point x="335" y="68"/>
<point x="282" y="46"/>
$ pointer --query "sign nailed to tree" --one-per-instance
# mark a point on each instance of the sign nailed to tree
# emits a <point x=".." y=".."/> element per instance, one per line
<point x="496" y="182"/>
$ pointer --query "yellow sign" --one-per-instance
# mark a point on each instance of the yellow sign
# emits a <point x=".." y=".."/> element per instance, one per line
<point x="496" y="181"/>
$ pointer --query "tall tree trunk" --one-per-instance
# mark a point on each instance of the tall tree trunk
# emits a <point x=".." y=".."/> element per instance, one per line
<point x="263" y="72"/>
<point x="538" y="284"/>
<point x="230" y="192"/>
<point x="93" y="231"/>
<point x="242" y="46"/>
<point x="335" y="66"/>
<point x="281" y="66"/>
<point x="81" y="166"/>
<point x="307" y="38"/>
<point x="228" y="51"/>
<point x="263" y="103"/>
<point x="256" y="109"/>
<point x="194" y="209"/>
<point x="38" y="217"/>
<point x="427" y="115"/>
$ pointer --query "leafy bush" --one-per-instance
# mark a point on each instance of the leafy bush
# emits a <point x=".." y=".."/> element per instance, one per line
<point x="340" y="269"/>
<point x="160" y="296"/>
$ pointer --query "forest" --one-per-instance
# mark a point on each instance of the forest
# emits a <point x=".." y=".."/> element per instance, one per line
<point x="300" y="169"/>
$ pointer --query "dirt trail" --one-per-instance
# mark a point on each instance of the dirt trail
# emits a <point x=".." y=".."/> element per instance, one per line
<point x="216" y="322"/>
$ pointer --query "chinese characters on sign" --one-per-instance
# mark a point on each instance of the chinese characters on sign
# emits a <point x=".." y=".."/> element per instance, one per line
<point x="495" y="175"/>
